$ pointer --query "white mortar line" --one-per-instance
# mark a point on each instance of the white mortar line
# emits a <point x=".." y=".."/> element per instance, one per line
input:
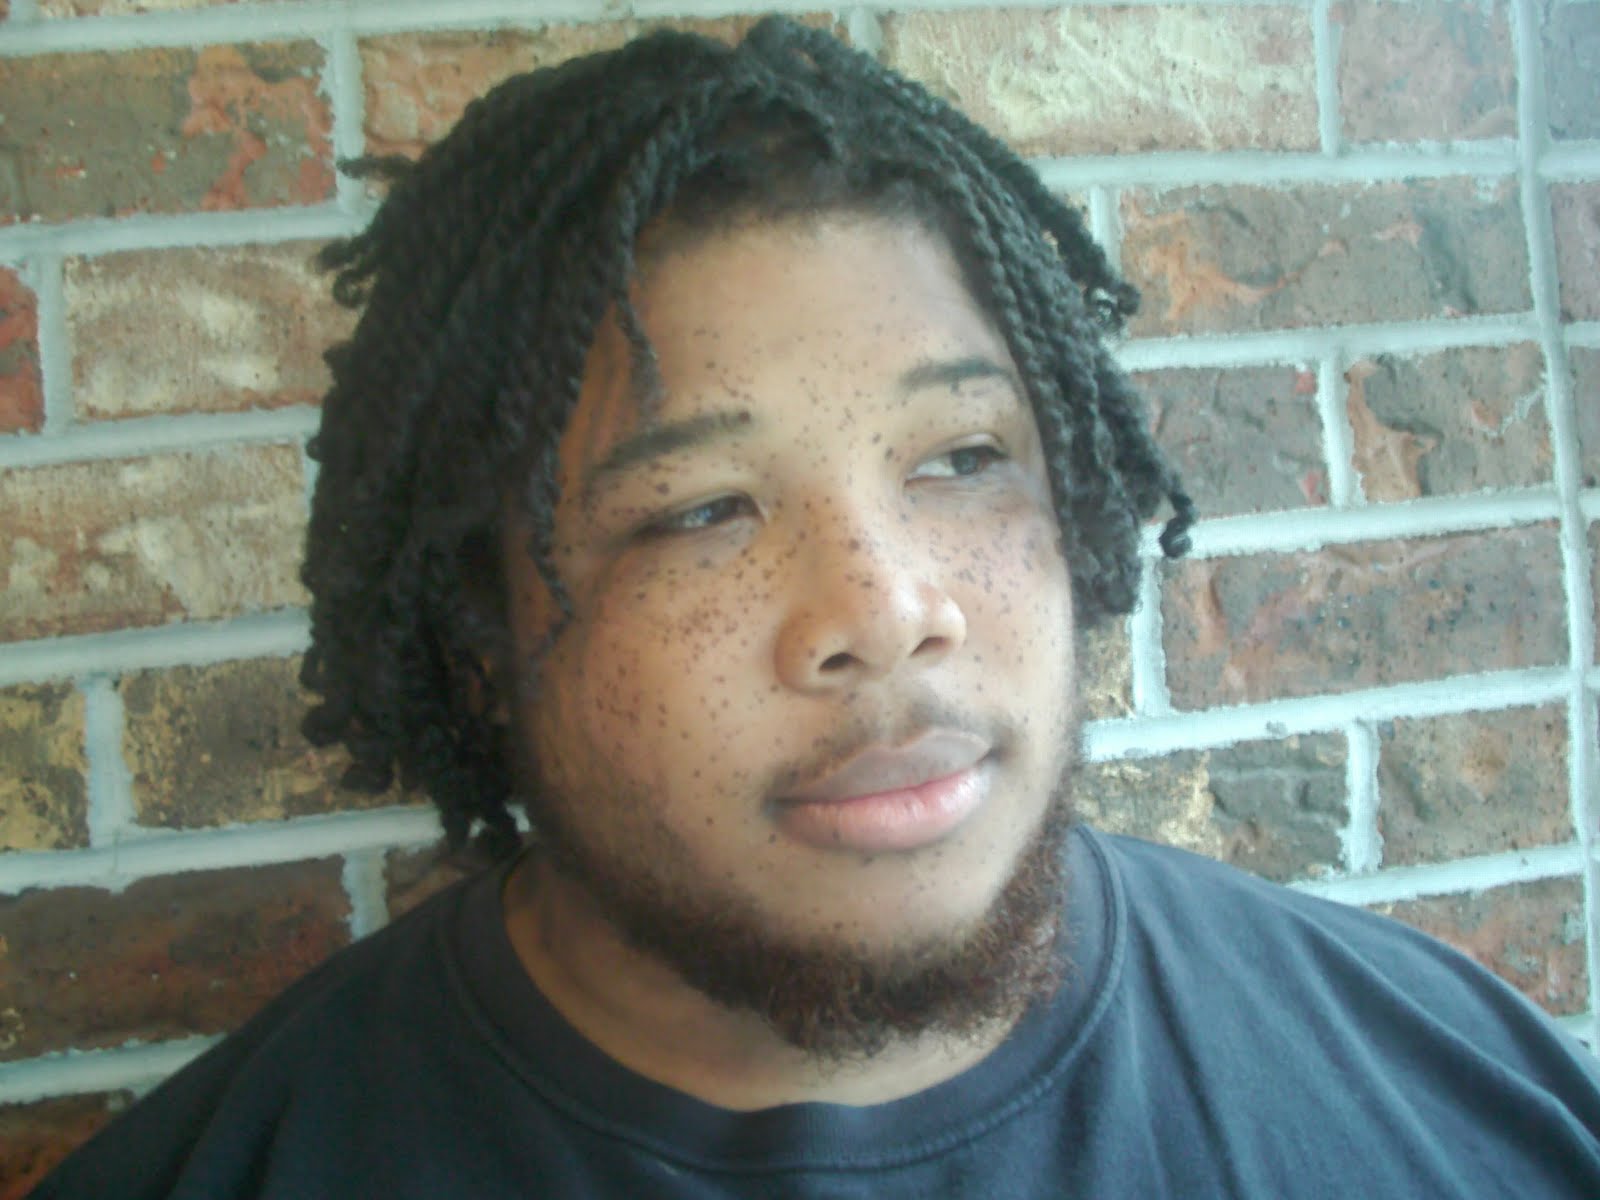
<point x="1325" y="55"/>
<point x="342" y="82"/>
<point x="24" y="11"/>
<point x="1580" y="1026"/>
<point x="1570" y="162"/>
<point x="111" y="805"/>
<point x="865" y="29"/>
<point x="1444" y="879"/>
<point x="132" y="1068"/>
<point x="1583" y="333"/>
<point x="268" y="635"/>
<point x="1105" y="223"/>
<point x="96" y="236"/>
<point x="1344" y="482"/>
<point x="1589" y="505"/>
<point x="363" y="885"/>
<point x="1147" y="656"/>
<point x="1361" y="839"/>
<point x="1304" y="345"/>
<point x="55" y="349"/>
<point x="142" y="436"/>
<point x="1150" y="737"/>
<point x="1165" y="169"/>
<point x="173" y="852"/>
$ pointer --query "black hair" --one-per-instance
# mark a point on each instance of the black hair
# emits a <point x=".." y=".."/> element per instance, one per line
<point x="483" y="278"/>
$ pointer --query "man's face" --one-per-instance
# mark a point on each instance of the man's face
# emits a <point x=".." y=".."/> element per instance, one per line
<point x="816" y="692"/>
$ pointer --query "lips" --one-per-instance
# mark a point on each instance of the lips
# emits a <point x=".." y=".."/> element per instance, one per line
<point x="936" y="754"/>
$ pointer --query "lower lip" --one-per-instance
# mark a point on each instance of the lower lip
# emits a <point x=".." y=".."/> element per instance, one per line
<point x="904" y="819"/>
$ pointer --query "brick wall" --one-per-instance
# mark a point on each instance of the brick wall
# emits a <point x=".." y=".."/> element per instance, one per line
<point x="1368" y="233"/>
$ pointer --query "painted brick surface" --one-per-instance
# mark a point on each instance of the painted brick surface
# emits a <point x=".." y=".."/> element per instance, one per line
<point x="35" y="1137"/>
<point x="1572" y="68"/>
<point x="1575" y="214"/>
<point x="1586" y="407"/>
<point x="1362" y="615"/>
<point x="1105" y="672"/>
<point x="164" y="130"/>
<point x="1442" y="424"/>
<point x="1117" y="80"/>
<point x="253" y="322"/>
<point x="103" y="545"/>
<point x="411" y="876"/>
<point x="1272" y="807"/>
<point x="1244" y="439"/>
<point x="21" y="391"/>
<point x="1219" y="259"/>
<point x="1529" y="934"/>
<point x="44" y="801"/>
<point x="218" y="744"/>
<point x="1431" y="71"/>
<point x="1478" y="783"/>
<point x="169" y="957"/>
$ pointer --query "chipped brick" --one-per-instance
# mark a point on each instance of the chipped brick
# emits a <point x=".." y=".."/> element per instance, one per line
<point x="44" y="799"/>
<point x="21" y="388"/>
<point x="1105" y="672"/>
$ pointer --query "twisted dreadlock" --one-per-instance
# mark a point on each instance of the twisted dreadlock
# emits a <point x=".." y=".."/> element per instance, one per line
<point x="486" y="272"/>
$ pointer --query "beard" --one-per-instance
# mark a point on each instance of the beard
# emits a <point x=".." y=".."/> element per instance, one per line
<point x="835" y="999"/>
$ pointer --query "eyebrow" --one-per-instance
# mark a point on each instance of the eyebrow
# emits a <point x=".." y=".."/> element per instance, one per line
<point x="658" y="440"/>
<point x="951" y="373"/>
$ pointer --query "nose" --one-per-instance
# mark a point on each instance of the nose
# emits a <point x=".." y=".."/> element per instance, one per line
<point x="862" y="609"/>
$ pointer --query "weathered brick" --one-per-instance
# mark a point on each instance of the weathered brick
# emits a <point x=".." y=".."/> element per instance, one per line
<point x="1244" y="440"/>
<point x="104" y="545"/>
<point x="21" y="392"/>
<point x="1477" y="783"/>
<point x="164" y="130"/>
<point x="172" y="956"/>
<point x="418" y="85"/>
<point x="1362" y="615"/>
<point x="44" y="799"/>
<point x="1434" y="70"/>
<point x="411" y="876"/>
<point x="1575" y="211"/>
<point x="213" y="745"/>
<point x="1272" y="807"/>
<point x="1529" y="934"/>
<point x="1120" y="79"/>
<point x="252" y="322"/>
<point x="1586" y="406"/>
<point x="1572" y="68"/>
<point x="1459" y="421"/>
<point x="35" y="1137"/>
<point x="1219" y="259"/>
<point x="1105" y="672"/>
<point x="110" y="8"/>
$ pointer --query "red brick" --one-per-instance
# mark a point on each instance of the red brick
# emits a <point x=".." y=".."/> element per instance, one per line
<point x="103" y="545"/>
<point x="1244" y="440"/>
<point x="35" y="1137"/>
<point x="1220" y="259"/>
<point x="1362" y="615"/>
<point x="110" y="8"/>
<point x="1586" y="407"/>
<point x="214" y="745"/>
<point x="1476" y="783"/>
<point x="1433" y="70"/>
<point x="1575" y="210"/>
<point x="170" y="957"/>
<point x="44" y="799"/>
<point x="1442" y="424"/>
<point x="165" y="130"/>
<point x="411" y="876"/>
<point x="21" y="391"/>
<point x="1122" y="79"/>
<point x="252" y="323"/>
<point x="1530" y="934"/>
<point x="1572" y="68"/>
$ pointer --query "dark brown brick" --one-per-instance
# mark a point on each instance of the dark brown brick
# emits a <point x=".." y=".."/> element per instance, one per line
<point x="1575" y="210"/>
<point x="21" y="390"/>
<point x="164" y="130"/>
<point x="109" y="544"/>
<point x="1476" y="783"/>
<point x="1362" y="615"/>
<point x="1586" y="407"/>
<point x="35" y="1137"/>
<point x="1572" y="68"/>
<point x="1221" y="259"/>
<point x="411" y="876"/>
<point x="1432" y="71"/>
<point x="169" y="957"/>
<point x="1441" y="424"/>
<point x="253" y="322"/>
<point x="44" y="799"/>
<point x="214" y="745"/>
<point x="1117" y="80"/>
<point x="1105" y="672"/>
<point x="1529" y="934"/>
<point x="1245" y="440"/>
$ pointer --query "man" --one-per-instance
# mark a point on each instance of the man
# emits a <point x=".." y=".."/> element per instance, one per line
<point x="722" y="468"/>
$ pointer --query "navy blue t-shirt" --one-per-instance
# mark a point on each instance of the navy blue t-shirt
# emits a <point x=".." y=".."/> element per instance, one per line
<point x="1218" y="1036"/>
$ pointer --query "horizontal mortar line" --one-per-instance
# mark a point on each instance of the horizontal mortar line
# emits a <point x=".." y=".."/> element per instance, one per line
<point x="171" y="852"/>
<point x="1251" y="347"/>
<point x="1589" y="505"/>
<point x="1149" y="737"/>
<point x="137" y="437"/>
<point x="79" y="1072"/>
<point x="1443" y="879"/>
<point x="1570" y="161"/>
<point x="1579" y="1025"/>
<point x="1583" y="333"/>
<point x="268" y="635"/>
<point x="1185" y="168"/>
<point x="167" y="231"/>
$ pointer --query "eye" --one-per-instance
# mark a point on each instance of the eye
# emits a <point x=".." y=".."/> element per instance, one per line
<point x="711" y="513"/>
<point x="960" y="463"/>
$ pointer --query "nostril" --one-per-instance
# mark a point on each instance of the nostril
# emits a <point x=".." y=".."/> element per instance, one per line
<point x="836" y="662"/>
<point x="932" y="645"/>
